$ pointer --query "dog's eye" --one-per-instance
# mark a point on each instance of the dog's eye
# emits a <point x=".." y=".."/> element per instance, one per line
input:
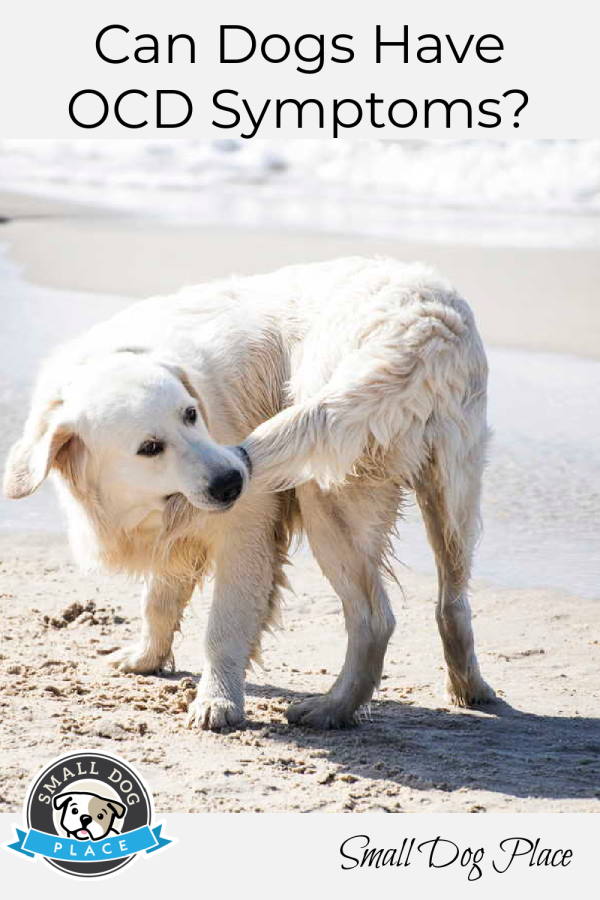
<point x="150" y="448"/>
<point x="100" y="817"/>
<point x="74" y="811"/>
<point x="190" y="415"/>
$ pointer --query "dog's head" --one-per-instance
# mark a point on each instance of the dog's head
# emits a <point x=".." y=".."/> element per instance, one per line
<point x="129" y="434"/>
<point x="87" y="817"/>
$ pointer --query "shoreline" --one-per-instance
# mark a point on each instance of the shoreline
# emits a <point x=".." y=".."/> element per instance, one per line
<point x="96" y="264"/>
<point x="65" y="246"/>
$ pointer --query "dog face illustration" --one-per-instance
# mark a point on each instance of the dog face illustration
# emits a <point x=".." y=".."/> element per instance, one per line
<point x="88" y="817"/>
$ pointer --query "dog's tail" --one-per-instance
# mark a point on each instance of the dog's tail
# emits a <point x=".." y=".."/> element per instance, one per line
<point x="425" y="369"/>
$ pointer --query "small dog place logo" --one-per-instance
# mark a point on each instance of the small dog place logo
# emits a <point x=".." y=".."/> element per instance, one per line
<point x="88" y="814"/>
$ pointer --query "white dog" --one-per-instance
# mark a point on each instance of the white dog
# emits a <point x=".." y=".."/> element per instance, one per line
<point x="199" y="432"/>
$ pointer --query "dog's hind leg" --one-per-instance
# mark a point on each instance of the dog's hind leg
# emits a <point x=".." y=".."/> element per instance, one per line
<point x="162" y="604"/>
<point x="448" y="491"/>
<point x="348" y="530"/>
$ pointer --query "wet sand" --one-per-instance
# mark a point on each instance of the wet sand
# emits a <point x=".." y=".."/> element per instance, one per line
<point x="536" y="606"/>
<point x="534" y="299"/>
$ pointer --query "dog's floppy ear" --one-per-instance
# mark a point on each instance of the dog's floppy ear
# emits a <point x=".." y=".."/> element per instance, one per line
<point x="44" y="443"/>
<point x="61" y="800"/>
<point x="117" y="808"/>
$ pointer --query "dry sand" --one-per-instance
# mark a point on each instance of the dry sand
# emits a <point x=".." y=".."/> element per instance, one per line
<point x="537" y="749"/>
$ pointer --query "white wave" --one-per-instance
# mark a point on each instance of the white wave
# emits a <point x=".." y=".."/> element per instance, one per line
<point x="523" y="191"/>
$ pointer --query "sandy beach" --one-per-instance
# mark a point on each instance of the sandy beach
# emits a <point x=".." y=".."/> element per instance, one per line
<point x="536" y="597"/>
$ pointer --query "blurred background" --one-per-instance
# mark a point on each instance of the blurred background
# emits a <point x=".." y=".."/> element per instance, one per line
<point x="90" y="224"/>
<point x="525" y="193"/>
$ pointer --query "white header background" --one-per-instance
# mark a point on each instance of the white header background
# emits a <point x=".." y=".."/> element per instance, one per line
<point x="47" y="54"/>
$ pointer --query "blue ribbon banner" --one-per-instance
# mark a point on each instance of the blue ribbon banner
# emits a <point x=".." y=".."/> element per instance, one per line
<point x="52" y="846"/>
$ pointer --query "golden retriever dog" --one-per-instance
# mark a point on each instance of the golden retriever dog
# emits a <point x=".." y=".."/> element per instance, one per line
<point x="196" y="434"/>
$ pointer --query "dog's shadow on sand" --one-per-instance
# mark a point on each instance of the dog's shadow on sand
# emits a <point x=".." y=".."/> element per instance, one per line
<point x="496" y="748"/>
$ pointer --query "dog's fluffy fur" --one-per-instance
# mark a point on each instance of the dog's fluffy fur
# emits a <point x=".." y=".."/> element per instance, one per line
<point x="328" y="391"/>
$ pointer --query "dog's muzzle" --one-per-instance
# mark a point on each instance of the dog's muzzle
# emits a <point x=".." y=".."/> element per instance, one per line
<point x="243" y="455"/>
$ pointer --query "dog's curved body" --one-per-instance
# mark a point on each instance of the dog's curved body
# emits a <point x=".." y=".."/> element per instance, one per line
<point x="198" y="432"/>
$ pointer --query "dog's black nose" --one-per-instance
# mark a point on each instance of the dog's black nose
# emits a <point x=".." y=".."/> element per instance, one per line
<point x="85" y="820"/>
<point x="227" y="486"/>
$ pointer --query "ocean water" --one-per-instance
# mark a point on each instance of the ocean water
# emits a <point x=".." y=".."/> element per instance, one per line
<point x="541" y="504"/>
<point x="519" y="193"/>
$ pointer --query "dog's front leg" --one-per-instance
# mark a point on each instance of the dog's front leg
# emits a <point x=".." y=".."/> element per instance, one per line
<point x="162" y="604"/>
<point x="245" y="597"/>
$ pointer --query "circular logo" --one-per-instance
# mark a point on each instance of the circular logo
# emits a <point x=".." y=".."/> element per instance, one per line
<point x="88" y="814"/>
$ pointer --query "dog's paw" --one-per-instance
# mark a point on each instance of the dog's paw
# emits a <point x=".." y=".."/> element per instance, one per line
<point x="321" y="711"/>
<point x="137" y="659"/>
<point x="214" y="714"/>
<point x="469" y="692"/>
